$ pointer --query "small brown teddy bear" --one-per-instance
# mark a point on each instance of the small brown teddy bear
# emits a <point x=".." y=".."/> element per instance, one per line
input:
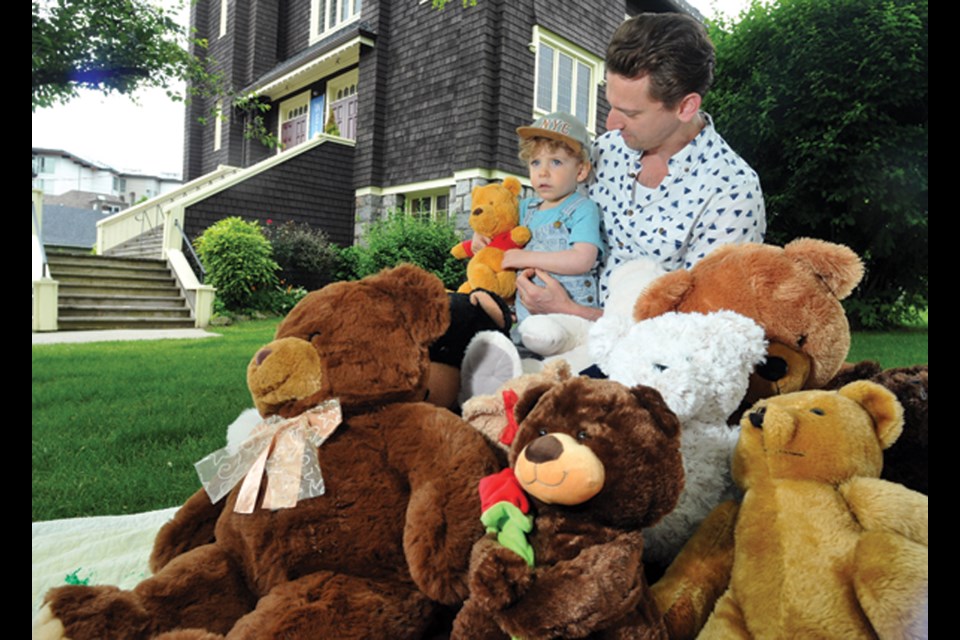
<point x="495" y="214"/>
<point x="361" y="526"/>
<point x="793" y="292"/>
<point x="493" y="414"/>
<point x="597" y="462"/>
<point x="821" y="546"/>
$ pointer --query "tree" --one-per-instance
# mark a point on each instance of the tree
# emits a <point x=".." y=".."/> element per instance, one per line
<point x="106" y="45"/>
<point x="123" y="46"/>
<point x="828" y="101"/>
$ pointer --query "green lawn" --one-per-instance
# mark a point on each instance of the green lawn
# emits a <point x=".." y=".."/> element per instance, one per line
<point x="117" y="426"/>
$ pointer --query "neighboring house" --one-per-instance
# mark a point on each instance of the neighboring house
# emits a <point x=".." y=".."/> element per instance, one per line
<point x="426" y="102"/>
<point x="66" y="178"/>
<point x="87" y="200"/>
<point x="71" y="227"/>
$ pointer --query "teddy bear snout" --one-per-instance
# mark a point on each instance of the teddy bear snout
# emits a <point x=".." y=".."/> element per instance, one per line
<point x="756" y="417"/>
<point x="773" y="369"/>
<point x="544" y="449"/>
<point x="262" y="355"/>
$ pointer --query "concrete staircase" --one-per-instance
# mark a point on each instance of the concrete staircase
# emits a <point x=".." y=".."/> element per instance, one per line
<point x="104" y="292"/>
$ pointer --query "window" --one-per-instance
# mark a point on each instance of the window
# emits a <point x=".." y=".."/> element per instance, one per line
<point x="218" y="126"/>
<point x="44" y="164"/>
<point x="223" y="18"/>
<point x="566" y="77"/>
<point x="426" y="206"/>
<point x="330" y="14"/>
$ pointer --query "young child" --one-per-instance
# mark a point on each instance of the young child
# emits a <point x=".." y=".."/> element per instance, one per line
<point x="565" y="224"/>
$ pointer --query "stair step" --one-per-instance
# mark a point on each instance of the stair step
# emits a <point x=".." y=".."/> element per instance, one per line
<point x="126" y="289"/>
<point x="109" y="262"/>
<point x="96" y="323"/>
<point x="159" y="301"/>
<point x="119" y="310"/>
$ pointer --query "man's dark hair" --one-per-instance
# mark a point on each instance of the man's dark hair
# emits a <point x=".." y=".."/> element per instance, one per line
<point x="673" y="49"/>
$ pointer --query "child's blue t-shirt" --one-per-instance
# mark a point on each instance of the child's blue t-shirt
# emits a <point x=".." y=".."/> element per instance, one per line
<point x="583" y="224"/>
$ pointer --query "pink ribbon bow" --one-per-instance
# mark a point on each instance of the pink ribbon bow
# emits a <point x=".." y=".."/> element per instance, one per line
<point x="277" y="447"/>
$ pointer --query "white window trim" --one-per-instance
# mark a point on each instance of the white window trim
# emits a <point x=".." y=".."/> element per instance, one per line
<point x="223" y="17"/>
<point x="579" y="54"/>
<point x="218" y="126"/>
<point x="318" y="26"/>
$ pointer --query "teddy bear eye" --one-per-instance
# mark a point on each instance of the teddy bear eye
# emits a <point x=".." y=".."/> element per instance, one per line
<point x="542" y="432"/>
<point x="582" y="435"/>
<point x="819" y="412"/>
<point x="315" y="334"/>
<point x="660" y="368"/>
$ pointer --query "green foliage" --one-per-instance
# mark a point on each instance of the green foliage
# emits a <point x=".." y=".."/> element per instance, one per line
<point x="239" y="263"/>
<point x="331" y="127"/>
<point x="440" y="4"/>
<point x="828" y="101"/>
<point x="402" y="238"/>
<point x="254" y="108"/>
<point x="306" y="256"/>
<point x="106" y="45"/>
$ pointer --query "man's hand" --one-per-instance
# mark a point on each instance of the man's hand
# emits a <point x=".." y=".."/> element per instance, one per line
<point x="551" y="297"/>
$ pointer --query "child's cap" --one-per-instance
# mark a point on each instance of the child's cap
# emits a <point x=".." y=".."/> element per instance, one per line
<point x="558" y="126"/>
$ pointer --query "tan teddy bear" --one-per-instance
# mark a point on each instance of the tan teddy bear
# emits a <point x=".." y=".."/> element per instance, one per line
<point x="821" y="547"/>
<point x="495" y="214"/>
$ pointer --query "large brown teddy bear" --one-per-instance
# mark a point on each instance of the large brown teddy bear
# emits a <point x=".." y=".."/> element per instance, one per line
<point x="386" y="544"/>
<point x="597" y="462"/>
<point x="495" y="214"/>
<point x="793" y="292"/>
<point x="821" y="546"/>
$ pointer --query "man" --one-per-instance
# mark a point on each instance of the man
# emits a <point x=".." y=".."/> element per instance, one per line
<point x="669" y="187"/>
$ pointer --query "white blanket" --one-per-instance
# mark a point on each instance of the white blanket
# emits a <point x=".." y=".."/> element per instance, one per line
<point x="110" y="550"/>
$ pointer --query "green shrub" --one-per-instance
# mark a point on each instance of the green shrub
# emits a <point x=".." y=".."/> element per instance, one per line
<point x="305" y="254"/>
<point x="239" y="263"/>
<point x="401" y="238"/>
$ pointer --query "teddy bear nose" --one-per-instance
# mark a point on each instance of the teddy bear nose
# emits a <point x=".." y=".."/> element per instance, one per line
<point x="477" y="211"/>
<point x="773" y="369"/>
<point x="544" y="449"/>
<point x="262" y="355"/>
<point x="756" y="417"/>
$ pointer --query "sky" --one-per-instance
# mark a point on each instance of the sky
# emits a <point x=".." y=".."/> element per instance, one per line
<point x="146" y="136"/>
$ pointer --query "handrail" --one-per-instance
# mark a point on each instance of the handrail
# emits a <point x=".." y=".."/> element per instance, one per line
<point x="193" y="254"/>
<point x="43" y="252"/>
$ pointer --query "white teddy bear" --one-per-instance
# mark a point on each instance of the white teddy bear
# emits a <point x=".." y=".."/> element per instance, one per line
<point x="701" y="365"/>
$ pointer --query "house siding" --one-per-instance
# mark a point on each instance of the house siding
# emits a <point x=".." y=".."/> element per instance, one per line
<point x="315" y="186"/>
<point x="441" y="93"/>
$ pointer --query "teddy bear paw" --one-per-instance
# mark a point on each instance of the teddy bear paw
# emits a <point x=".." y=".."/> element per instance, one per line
<point x="551" y="334"/>
<point x="500" y="579"/>
<point x="46" y="626"/>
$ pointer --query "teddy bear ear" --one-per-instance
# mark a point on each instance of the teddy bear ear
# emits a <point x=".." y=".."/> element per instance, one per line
<point x="664" y="294"/>
<point x="651" y="400"/>
<point x="838" y="266"/>
<point x="512" y="185"/>
<point x="420" y="298"/>
<point x="529" y="399"/>
<point x="881" y="404"/>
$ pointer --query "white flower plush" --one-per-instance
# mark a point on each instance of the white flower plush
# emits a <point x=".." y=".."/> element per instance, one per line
<point x="701" y="365"/>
